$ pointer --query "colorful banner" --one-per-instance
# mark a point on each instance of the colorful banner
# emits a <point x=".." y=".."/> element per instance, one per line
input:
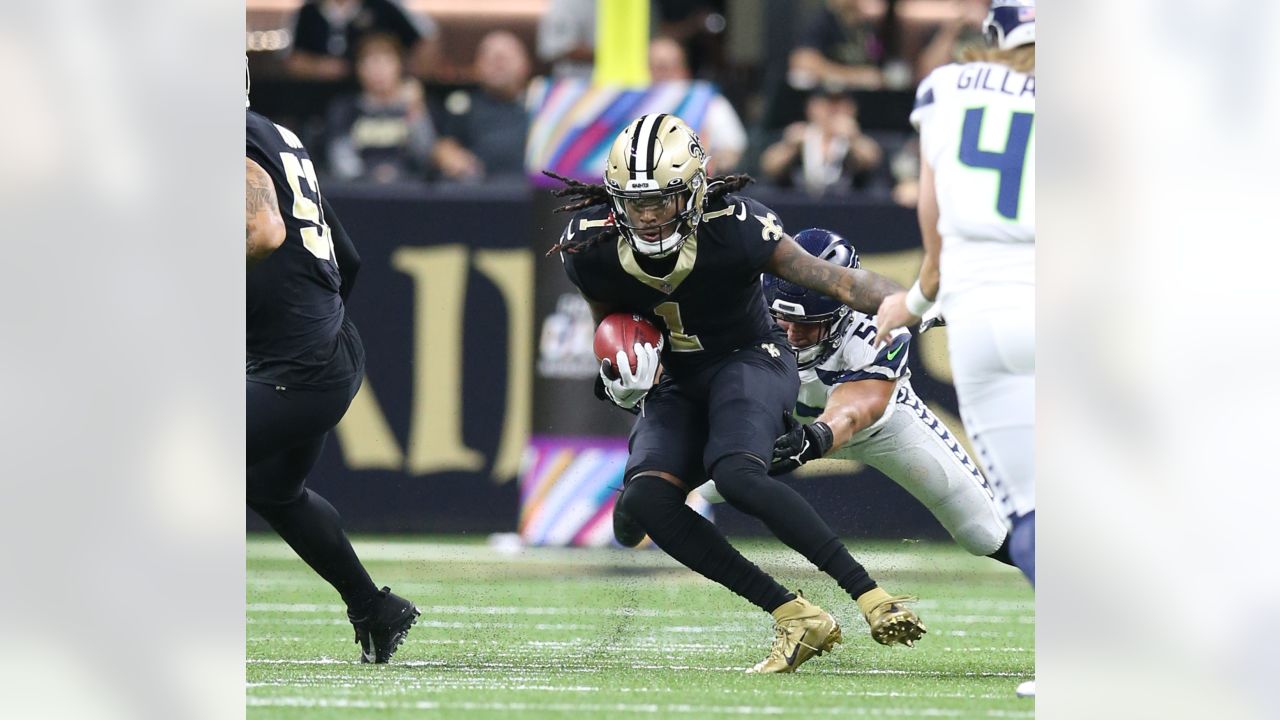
<point x="568" y="490"/>
<point x="575" y="122"/>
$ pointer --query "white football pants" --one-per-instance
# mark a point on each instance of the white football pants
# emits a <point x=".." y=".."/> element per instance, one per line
<point x="993" y="361"/>
<point x="917" y="451"/>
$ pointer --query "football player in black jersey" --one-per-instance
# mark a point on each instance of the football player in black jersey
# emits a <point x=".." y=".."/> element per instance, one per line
<point x="304" y="363"/>
<point x="663" y="240"/>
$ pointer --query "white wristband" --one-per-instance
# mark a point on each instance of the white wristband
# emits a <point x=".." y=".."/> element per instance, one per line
<point x="917" y="303"/>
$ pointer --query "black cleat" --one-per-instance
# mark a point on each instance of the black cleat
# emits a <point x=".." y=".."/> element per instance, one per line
<point x="385" y="626"/>
<point x="625" y="530"/>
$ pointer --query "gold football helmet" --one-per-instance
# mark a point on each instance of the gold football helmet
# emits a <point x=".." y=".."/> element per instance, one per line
<point x="656" y="176"/>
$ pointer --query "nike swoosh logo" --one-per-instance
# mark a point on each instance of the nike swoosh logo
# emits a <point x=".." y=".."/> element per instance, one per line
<point x="895" y="352"/>
<point x="742" y="216"/>
<point x="792" y="660"/>
<point x="569" y="232"/>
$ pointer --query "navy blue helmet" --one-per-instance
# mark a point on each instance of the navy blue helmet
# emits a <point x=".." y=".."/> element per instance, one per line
<point x="1010" y="23"/>
<point x="795" y="303"/>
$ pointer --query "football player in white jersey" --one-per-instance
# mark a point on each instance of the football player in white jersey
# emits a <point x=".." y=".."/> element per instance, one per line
<point x="977" y="215"/>
<point x="857" y="403"/>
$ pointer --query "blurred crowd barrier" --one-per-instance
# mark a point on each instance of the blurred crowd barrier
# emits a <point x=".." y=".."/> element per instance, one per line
<point x="469" y="327"/>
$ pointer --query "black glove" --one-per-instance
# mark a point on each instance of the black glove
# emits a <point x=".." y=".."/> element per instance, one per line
<point x="799" y="444"/>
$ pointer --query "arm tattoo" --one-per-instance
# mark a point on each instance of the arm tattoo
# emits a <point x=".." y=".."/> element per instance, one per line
<point x="257" y="197"/>
<point x="860" y="289"/>
<point x="259" y="192"/>
<point x="260" y="208"/>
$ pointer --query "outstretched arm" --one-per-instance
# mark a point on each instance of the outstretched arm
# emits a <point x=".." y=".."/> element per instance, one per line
<point x="263" y="227"/>
<point x="860" y="289"/>
<point x="895" y="312"/>
<point x="854" y="407"/>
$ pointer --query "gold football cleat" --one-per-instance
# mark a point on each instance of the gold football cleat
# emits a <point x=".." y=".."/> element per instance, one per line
<point x="891" y="621"/>
<point x="801" y="630"/>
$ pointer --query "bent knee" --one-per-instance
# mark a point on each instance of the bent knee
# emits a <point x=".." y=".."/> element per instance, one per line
<point x="649" y="493"/>
<point x="980" y="538"/>
<point x="740" y="474"/>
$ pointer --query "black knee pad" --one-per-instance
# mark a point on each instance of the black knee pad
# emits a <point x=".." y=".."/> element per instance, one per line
<point x="645" y="497"/>
<point x="740" y="475"/>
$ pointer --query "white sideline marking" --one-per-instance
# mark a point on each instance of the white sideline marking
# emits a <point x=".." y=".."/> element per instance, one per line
<point x="601" y="708"/>
<point x="1021" y="615"/>
<point x="447" y="684"/>
<point x="598" y="665"/>
<point x="883" y="561"/>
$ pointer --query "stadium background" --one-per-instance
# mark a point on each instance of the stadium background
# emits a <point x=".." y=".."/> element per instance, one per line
<point x="455" y="296"/>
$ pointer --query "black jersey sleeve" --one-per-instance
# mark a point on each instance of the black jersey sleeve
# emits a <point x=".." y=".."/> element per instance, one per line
<point x="759" y="229"/>
<point x="345" y="250"/>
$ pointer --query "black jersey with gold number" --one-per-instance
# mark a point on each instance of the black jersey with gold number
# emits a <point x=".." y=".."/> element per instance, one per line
<point x="296" y="330"/>
<point x="708" y="300"/>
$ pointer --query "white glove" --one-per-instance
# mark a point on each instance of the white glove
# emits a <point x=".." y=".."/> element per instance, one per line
<point x="630" y="388"/>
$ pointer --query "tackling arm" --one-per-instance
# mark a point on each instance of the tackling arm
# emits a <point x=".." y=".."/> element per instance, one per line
<point x="860" y="289"/>
<point x="264" y="229"/>
<point x="855" y="406"/>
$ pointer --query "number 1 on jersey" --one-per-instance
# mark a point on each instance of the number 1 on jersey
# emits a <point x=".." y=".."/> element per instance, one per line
<point x="1008" y="163"/>
<point x="680" y="342"/>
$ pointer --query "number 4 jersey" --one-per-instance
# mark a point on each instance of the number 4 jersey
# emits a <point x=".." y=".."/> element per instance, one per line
<point x="296" y="331"/>
<point x="977" y="132"/>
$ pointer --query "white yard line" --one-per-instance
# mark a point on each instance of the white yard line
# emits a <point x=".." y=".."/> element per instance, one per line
<point x="470" y="553"/>
<point x="597" y="709"/>
<point x="519" y="663"/>
<point x="1018" y="614"/>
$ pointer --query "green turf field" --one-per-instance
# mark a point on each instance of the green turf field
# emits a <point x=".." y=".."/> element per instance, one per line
<point x="627" y="634"/>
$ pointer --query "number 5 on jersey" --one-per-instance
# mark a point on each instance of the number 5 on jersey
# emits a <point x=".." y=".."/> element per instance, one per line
<point x="680" y="342"/>
<point x="316" y="238"/>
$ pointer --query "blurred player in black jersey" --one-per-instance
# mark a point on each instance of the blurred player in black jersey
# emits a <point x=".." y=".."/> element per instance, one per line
<point x="662" y="240"/>
<point x="304" y="364"/>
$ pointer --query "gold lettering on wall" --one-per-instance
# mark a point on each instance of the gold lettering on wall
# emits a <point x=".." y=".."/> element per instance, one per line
<point x="365" y="437"/>
<point x="435" y="426"/>
<point x="512" y="272"/>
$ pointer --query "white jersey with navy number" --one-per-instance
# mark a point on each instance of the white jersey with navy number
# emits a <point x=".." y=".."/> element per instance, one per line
<point x="908" y="443"/>
<point x="857" y="359"/>
<point x="977" y="132"/>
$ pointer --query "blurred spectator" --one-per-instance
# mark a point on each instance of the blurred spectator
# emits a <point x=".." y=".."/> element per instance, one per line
<point x="327" y="33"/>
<point x="722" y="132"/>
<point x="698" y="26"/>
<point x="827" y="152"/>
<point x="962" y="30"/>
<point x="482" y="132"/>
<point x="567" y="37"/>
<point x="905" y="168"/>
<point x="384" y="134"/>
<point x="840" y="48"/>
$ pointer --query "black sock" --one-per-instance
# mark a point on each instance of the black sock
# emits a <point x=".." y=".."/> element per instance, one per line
<point x="313" y="529"/>
<point x="1002" y="553"/>
<point x="659" y="507"/>
<point x="745" y="483"/>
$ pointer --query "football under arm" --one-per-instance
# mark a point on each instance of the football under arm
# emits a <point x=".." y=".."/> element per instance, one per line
<point x="264" y="229"/>
<point x="860" y="289"/>
<point x="599" y="310"/>
<point x="345" y="250"/>
<point x="855" y="406"/>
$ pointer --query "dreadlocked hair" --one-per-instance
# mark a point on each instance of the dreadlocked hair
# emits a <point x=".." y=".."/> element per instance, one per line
<point x="587" y="195"/>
